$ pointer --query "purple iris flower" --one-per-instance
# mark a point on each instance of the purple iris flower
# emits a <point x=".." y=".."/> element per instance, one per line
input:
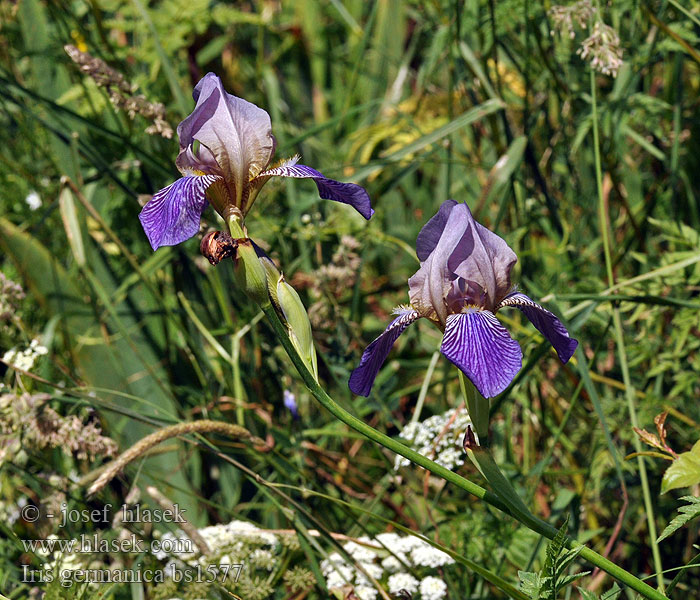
<point x="226" y="146"/>
<point x="290" y="403"/>
<point x="463" y="280"/>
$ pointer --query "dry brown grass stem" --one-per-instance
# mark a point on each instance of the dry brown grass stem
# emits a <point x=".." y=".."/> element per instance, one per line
<point x="185" y="525"/>
<point x="144" y="445"/>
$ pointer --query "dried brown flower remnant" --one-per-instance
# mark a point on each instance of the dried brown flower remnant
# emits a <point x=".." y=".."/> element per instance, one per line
<point x="602" y="49"/>
<point x="121" y="92"/>
<point x="218" y="245"/>
<point x="27" y="421"/>
<point x="566" y="18"/>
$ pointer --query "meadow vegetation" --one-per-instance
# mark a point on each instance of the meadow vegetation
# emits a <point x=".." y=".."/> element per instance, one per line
<point x="571" y="131"/>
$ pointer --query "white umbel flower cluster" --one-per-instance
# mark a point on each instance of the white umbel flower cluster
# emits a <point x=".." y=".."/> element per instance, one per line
<point x="439" y="437"/>
<point x="388" y="555"/>
<point x="229" y="542"/>
<point x="402" y="581"/>
<point x="432" y="588"/>
<point x="24" y="360"/>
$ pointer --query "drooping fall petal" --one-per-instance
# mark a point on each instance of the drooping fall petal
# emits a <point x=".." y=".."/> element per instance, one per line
<point x="545" y="322"/>
<point x="173" y="214"/>
<point x="362" y="378"/>
<point x="328" y="189"/>
<point x="477" y="343"/>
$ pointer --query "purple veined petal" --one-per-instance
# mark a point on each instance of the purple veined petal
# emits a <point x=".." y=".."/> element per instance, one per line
<point x="362" y="378"/>
<point x="329" y="189"/>
<point x="173" y="214"/>
<point x="429" y="236"/>
<point x="545" y="322"/>
<point x="479" y="345"/>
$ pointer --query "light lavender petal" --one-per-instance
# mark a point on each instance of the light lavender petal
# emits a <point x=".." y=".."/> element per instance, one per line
<point x="429" y="236"/>
<point x="173" y="214"/>
<point x="236" y="132"/>
<point x="477" y="343"/>
<point x="329" y="189"/>
<point x="545" y="322"/>
<point x="362" y="378"/>
<point x="484" y="258"/>
<point x="430" y="286"/>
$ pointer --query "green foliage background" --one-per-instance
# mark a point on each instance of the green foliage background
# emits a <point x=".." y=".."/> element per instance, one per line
<point x="418" y="102"/>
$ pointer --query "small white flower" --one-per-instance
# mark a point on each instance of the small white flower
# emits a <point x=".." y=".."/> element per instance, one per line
<point x="402" y="581"/>
<point x="336" y="580"/>
<point x="33" y="200"/>
<point x="450" y="458"/>
<point x="263" y="559"/>
<point x="358" y="552"/>
<point x="372" y="569"/>
<point x="333" y="561"/>
<point x="438" y="437"/>
<point x="427" y="556"/>
<point x="394" y="563"/>
<point x="365" y="592"/>
<point x="432" y="588"/>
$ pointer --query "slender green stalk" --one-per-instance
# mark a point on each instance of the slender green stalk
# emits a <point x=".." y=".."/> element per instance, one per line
<point x="477" y="407"/>
<point x="620" y="341"/>
<point x="526" y="519"/>
<point x="424" y="388"/>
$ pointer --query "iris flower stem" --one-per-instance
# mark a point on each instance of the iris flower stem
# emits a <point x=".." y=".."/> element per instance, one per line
<point x="620" y="341"/>
<point x="477" y="407"/>
<point x="370" y="433"/>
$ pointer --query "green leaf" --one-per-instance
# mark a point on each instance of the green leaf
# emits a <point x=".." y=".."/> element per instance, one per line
<point x="684" y="471"/>
<point x="532" y="584"/>
<point x="688" y="513"/>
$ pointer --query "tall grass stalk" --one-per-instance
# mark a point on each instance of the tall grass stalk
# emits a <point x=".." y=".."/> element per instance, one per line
<point x="619" y="340"/>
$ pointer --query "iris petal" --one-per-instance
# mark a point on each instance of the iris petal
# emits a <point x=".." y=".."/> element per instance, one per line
<point x="236" y="133"/>
<point x="479" y="345"/>
<point x="431" y="233"/>
<point x="329" y="189"/>
<point x="545" y="322"/>
<point x="173" y="214"/>
<point x="375" y="354"/>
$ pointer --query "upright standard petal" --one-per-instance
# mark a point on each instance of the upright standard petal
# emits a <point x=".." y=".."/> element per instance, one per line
<point x="484" y="258"/>
<point x="362" y="378"/>
<point x="477" y="343"/>
<point x="173" y="214"/>
<point x="329" y="189"/>
<point x="431" y="232"/>
<point x="235" y="131"/>
<point x="429" y="287"/>
<point x="545" y="322"/>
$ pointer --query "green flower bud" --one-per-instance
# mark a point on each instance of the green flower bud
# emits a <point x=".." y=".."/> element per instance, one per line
<point x="298" y="324"/>
<point x="273" y="276"/>
<point x="250" y="273"/>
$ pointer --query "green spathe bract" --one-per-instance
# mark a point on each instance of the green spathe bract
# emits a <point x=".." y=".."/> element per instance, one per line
<point x="298" y="324"/>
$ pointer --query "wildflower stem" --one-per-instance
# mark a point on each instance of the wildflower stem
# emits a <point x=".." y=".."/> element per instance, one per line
<point x="620" y="341"/>
<point x="370" y="433"/>
<point x="477" y="407"/>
